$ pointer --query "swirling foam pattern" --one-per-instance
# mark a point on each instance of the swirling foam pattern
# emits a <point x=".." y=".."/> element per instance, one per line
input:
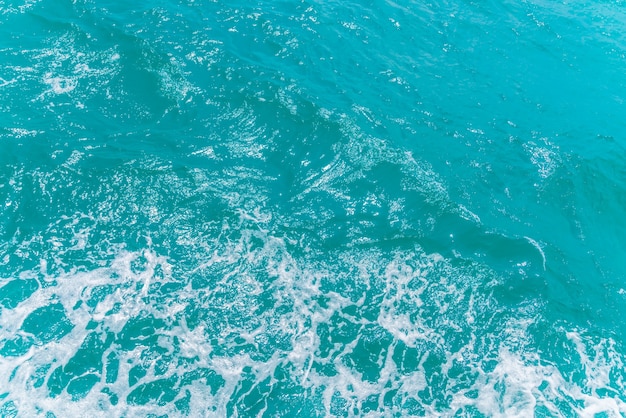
<point x="312" y="208"/>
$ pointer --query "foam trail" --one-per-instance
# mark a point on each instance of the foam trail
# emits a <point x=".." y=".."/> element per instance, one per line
<point x="538" y="247"/>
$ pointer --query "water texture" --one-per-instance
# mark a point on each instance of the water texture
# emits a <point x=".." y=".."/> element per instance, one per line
<point x="312" y="208"/>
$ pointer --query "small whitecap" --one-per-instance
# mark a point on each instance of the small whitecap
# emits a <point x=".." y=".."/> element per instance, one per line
<point x="60" y="85"/>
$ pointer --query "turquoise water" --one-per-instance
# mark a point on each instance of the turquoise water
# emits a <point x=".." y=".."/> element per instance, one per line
<point x="312" y="208"/>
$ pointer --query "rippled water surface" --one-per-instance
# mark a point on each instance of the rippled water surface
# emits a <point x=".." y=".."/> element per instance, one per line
<point x="312" y="208"/>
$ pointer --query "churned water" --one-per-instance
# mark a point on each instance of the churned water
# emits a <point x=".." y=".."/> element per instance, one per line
<point x="312" y="208"/>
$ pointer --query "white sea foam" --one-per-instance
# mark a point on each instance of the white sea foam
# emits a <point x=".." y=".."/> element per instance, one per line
<point x="66" y="71"/>
<point x="60" y="85"/>
<point x="4" y="82"/>
<point x="15" y="8"/>
<point x="538" y="247"/>
<point x="423" y="304"/>
<point x="21" y="132"/>
<point x="545" y="156"/>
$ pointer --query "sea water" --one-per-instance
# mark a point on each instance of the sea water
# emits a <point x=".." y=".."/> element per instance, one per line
<point x="312" y="208"/>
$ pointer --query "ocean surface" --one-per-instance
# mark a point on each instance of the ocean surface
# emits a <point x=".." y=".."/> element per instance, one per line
<point x="312" y="208"/>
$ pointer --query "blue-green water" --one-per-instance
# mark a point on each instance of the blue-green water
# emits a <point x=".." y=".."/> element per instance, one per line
<point x="312" y="208"/>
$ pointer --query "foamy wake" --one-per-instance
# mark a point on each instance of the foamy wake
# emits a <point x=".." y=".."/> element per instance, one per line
<point x="253" y="328"/>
